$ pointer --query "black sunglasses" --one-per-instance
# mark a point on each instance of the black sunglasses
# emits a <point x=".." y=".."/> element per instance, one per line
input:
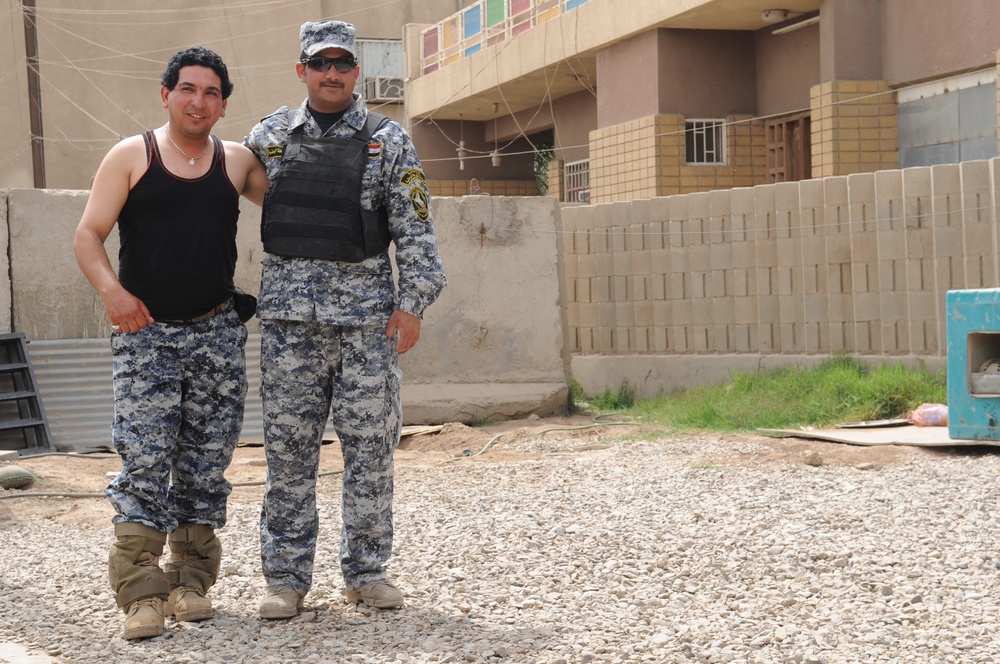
<point x="343" y="64"/>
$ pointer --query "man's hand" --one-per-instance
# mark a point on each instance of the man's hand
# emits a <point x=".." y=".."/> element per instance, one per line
<point x="126" y="312"/>
<point x="408" y="327"/>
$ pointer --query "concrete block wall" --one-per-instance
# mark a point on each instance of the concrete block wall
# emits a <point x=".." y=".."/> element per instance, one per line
<point x="667" y="291"/>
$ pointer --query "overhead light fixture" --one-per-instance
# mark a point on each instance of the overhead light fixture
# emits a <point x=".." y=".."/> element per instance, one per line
<point x="795" y="26"/>
<point x="774" y="15"/>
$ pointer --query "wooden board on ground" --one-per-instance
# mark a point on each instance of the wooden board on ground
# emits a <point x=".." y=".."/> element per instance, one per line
<point x="882" y="435"/>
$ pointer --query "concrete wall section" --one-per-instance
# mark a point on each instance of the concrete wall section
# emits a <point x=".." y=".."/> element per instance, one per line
<point x="498" y="322"/>
<point x="855" y="264"/>
<point x="51" y="297"/>
<point x="491" y="347"/>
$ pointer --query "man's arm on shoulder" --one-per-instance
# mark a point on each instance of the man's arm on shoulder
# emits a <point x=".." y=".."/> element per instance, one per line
<point x="119" y="171"/>
<point x="244" y="166"/>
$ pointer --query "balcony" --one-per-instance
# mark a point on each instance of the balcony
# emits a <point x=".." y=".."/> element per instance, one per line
<point x="484" y="23"/>
<point x="513" y="55"/>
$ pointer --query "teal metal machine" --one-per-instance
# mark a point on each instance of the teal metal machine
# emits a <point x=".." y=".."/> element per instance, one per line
<point x="973" y="332"/>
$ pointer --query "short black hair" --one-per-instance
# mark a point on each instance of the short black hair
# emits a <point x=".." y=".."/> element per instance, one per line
<point x="197" y="56"/>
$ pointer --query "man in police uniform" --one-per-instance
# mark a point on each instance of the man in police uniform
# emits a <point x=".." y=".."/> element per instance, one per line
<point x="345" y="183"/>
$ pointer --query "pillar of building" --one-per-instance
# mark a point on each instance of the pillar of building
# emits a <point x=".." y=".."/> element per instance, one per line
<point x="554" y="177"/>
<point x="854" y="127"/>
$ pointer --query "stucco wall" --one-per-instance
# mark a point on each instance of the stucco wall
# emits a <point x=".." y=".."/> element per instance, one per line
<point x="963" y="34"/>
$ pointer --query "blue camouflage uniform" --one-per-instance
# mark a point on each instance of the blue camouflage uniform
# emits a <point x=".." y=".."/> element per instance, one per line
<point x="179" y="398"/>
<point x="323" y="342"/>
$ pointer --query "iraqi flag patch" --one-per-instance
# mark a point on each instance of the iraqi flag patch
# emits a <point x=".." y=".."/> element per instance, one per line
<point x="374" y="149"/>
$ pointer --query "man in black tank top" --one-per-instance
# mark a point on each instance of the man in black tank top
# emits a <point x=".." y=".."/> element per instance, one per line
<point x="177" y="341"/>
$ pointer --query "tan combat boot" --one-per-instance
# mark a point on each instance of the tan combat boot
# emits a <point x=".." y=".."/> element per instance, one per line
<point x="144" y="618"/>
<point x="379" y="594"/>
<point x="139" y="584"/>
<point x="195" y="556"/>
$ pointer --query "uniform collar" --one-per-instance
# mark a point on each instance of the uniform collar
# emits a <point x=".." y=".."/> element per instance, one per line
<point x="354" y="117"/>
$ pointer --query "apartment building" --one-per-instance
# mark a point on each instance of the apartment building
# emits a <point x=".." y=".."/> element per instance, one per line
<point x="646" y="98"/>
<point x="584" y="100"/>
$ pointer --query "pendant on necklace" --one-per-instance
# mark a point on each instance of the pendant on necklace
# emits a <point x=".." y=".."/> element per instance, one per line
<point x="191" y="162"/>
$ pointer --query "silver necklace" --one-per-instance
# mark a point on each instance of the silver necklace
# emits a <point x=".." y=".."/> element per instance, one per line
<point x="191" y="160"/>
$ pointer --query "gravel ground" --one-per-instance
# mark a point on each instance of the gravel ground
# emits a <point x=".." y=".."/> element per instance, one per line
<point x="632" y="551"/>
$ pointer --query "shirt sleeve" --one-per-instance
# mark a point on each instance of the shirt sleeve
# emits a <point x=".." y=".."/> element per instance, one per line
<point x="421" y="273"/>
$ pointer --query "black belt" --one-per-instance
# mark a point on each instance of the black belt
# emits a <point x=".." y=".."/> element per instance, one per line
<point x="217" y="309"/>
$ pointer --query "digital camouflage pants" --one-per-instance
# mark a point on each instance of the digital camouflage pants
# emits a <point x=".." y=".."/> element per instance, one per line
<point x="306" y="368"/>
<point x="179" y="400"/>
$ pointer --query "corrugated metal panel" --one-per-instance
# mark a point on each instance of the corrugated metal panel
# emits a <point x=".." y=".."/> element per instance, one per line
<point x="74" y="382"/>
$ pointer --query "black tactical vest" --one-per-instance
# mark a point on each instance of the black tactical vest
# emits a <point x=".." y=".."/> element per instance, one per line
<point x="313" y="207"/>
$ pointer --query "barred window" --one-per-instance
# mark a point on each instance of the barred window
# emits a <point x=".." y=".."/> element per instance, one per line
<point x="705" y="141"/>
<point x="577" y="176"/>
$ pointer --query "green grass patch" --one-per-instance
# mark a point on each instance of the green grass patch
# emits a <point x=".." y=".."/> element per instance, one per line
<point x="838" y="390"/>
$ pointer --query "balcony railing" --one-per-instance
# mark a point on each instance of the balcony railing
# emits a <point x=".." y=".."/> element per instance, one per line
<point x="484" y="23"/>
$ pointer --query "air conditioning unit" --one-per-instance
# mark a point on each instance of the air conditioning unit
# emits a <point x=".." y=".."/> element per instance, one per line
<point x="383" y="88"/>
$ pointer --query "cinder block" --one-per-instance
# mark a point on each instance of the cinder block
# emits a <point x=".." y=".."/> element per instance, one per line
<point x="619" y="289"/>
<point x="946" y="179"/>
<point x="948" y="242"/>
<point x="659" y="343"/>
<point x="588" y="313"/>
<point x="892" y="306"/>
<point x="662" y="314"/>
<point x="867" y="307"/>
<point x="642" y="262"/>
<point x="643" y="313"/>
<point x="637" y="291"/>
<point x="572" y="315"/>
<point x="656" y="287"/>
<point x="600" y="289"/>
<point x="624" y="314"/>
<point x="622" y="261"/>
<point x="723" y="311"/>
<point x="922" y="305"/>
<point x="815" y="308"/>
<point x="587" y="266"/>
<point x="862" y="341"/>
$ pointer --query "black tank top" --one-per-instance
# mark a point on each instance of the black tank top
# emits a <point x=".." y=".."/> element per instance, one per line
<point x="178" y="237"/>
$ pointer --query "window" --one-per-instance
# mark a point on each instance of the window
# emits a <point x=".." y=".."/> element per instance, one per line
<point x="577" y="175"/>
<point x="382" y="67"/>
<point x="705" y="141"/>
<point x="383" y="57"/>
